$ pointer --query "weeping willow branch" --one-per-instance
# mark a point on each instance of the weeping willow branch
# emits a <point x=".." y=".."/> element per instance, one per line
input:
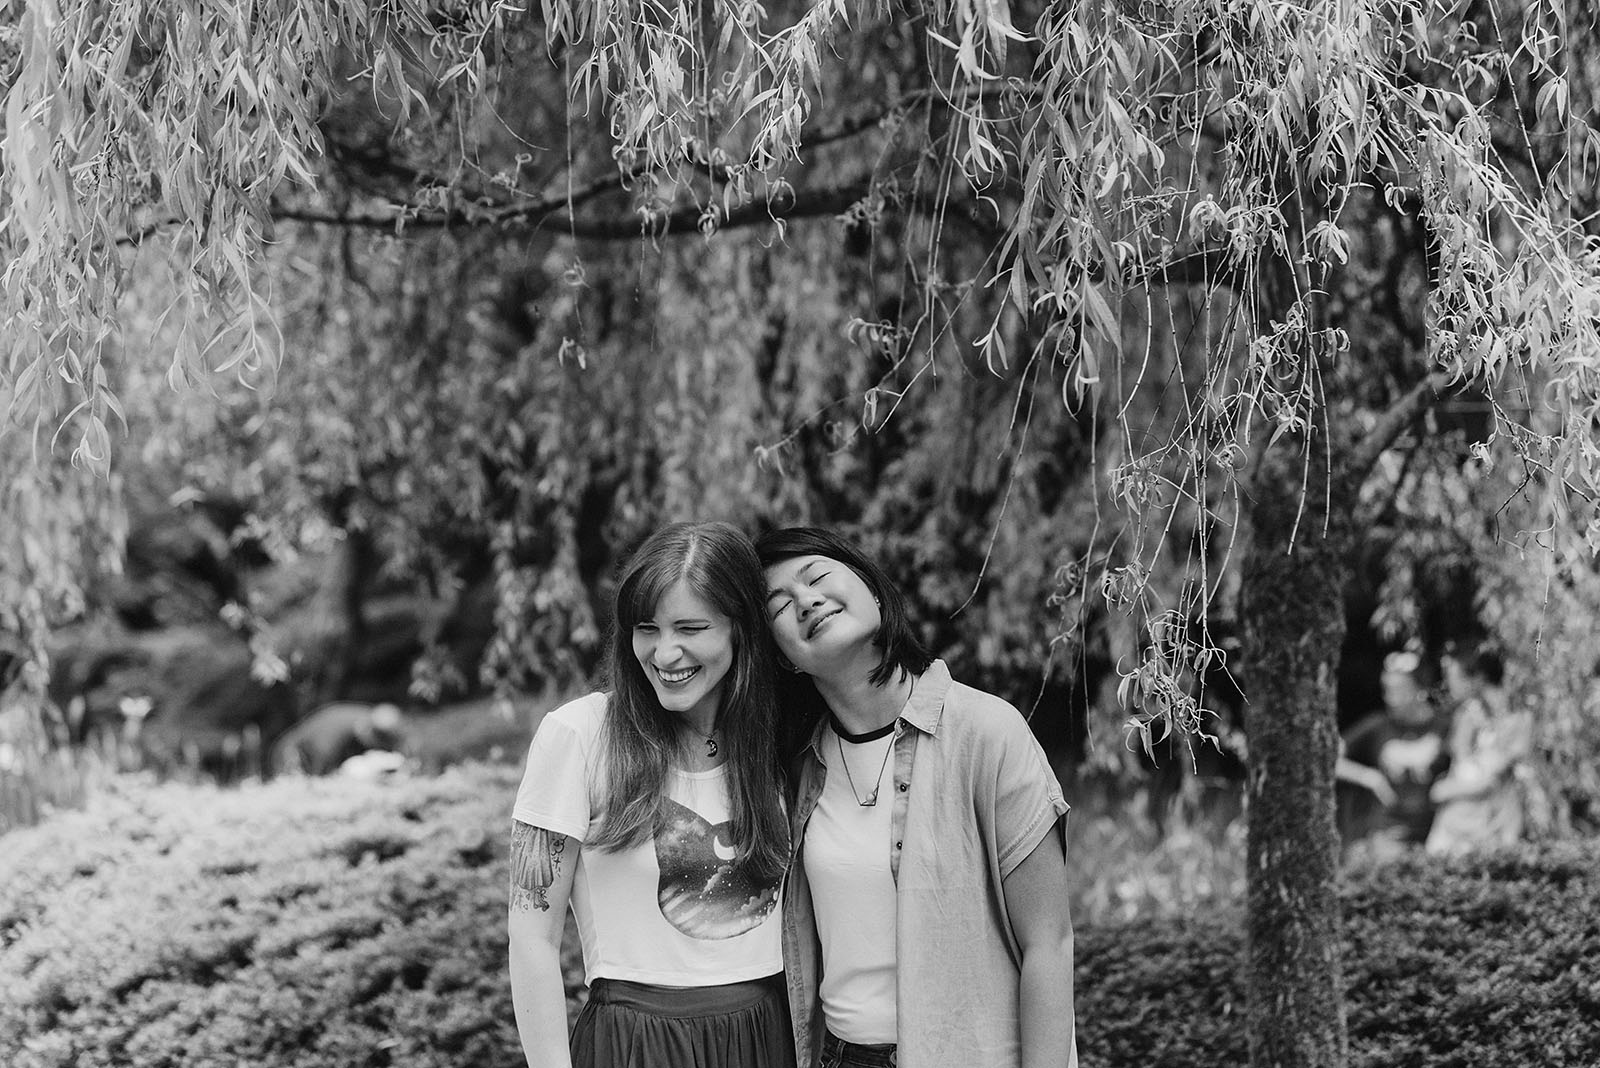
<point x="1394" y="421"/>
<point x="557" y="216"/>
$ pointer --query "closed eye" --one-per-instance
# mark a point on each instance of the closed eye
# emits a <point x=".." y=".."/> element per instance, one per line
<point x="778" y="611"/>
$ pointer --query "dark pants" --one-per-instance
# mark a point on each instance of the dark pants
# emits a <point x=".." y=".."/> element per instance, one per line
<point x="837" y="1053"/>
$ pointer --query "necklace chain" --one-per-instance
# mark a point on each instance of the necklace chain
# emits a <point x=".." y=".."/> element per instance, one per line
<point x="872" y="797"/>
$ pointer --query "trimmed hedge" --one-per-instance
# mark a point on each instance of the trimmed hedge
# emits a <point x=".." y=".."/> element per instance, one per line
<point x="325" y="923"/>
<point x="1474" y="963"/>
<point x="307" y="922"/>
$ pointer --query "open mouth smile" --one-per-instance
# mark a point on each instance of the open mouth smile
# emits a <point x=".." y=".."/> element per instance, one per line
<point x="677" y="678"/>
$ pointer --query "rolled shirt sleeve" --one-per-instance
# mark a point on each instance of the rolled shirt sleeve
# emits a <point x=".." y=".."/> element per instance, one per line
<point x="1028" y="799"/>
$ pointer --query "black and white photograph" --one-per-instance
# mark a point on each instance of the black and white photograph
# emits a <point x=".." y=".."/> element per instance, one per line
<point x="799" y="534"/>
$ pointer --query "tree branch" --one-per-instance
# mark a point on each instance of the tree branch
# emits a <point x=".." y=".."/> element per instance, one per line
<point x="555" y="217"/>
<point x="850" y="127"/>
<point x="1210" y="265"/>
<point x="1394" y="421"/>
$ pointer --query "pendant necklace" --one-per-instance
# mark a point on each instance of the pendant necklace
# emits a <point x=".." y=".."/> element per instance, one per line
<point x="839" y="735"/>
<point x="711" y="744"/>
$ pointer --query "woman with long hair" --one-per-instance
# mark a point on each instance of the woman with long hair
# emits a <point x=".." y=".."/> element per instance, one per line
<point x="654" y="812"/>
<point x="925" y="916"/>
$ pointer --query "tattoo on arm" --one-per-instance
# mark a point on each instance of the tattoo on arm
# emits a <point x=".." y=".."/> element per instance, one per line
<point x="535" y="864"/>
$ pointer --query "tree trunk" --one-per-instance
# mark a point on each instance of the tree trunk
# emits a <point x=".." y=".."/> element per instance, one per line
<point x="340" y="627"/>
<point x="1293" y="612"/>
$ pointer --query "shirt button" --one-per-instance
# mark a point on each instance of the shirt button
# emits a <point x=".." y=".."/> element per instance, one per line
<point x="897" y="845"/>
<point x="904" y="787"/>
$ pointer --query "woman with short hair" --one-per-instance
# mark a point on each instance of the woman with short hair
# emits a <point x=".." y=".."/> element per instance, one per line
<point x="925" y="916"/>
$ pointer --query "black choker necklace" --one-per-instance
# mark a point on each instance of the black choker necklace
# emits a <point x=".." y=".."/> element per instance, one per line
<point x="857" y="739"/>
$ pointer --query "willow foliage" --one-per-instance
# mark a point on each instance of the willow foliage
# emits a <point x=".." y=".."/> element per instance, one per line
<point x="1172" y="196"/>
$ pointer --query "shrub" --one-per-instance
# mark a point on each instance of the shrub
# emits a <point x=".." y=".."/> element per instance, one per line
<point x="1474" y="963"/>
<point x="330" y="922"/>
<point x="300" y="923"/>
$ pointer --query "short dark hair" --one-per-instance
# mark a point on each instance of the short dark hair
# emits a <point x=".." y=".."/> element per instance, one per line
<point x="902" y="649"/>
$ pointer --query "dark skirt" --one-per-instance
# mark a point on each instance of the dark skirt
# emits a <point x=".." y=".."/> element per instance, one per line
<point x="637" y="1025"/>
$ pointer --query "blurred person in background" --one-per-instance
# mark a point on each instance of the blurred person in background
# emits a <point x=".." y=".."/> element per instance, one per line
<point x="655" y="812"/>
<point x="334" y="734"/>
<point x="1404" y="742"/>
<point x="925" y="916"/>
<point x="1480" y="800"/>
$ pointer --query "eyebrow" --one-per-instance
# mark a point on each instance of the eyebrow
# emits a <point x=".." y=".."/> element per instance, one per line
<point x="809" y="564"/>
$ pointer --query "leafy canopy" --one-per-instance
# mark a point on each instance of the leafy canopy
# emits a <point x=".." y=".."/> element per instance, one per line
<point x="1172" y="203"/>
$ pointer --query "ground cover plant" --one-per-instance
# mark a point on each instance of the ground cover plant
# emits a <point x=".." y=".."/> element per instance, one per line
<point x="1482" y="962"/>
<point x="332" y="922"/>
<point x="305" y="922"/>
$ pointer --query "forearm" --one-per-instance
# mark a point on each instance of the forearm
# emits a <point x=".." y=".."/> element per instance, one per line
<point x="539" y="1000"/>
<point x="1046" y="1008"/>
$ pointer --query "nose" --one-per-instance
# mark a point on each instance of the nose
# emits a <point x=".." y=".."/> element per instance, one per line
<point x="667" y="651"/>
<point x="808" y="602"/>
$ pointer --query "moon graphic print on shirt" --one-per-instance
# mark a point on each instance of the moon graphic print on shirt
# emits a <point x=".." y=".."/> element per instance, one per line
<point x="701" y="892"/>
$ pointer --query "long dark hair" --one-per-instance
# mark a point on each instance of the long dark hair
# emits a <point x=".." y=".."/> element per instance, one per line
<point x="719" y="564"/>
<point x="902" y="649"/>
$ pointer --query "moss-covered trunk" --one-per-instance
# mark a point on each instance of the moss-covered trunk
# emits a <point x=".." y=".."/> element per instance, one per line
<point x="1292" y="607"/>
<point x="340" y="625"/>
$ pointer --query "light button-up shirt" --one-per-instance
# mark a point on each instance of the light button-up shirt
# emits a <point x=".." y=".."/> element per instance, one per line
<point x="973" y="796"/>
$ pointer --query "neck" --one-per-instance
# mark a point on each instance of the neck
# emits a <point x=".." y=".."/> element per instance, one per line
<point x="699" y="724"/>
<point x="860" y="706"/>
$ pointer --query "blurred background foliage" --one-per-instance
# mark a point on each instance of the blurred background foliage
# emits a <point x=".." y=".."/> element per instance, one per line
<point x="493" y="363"/>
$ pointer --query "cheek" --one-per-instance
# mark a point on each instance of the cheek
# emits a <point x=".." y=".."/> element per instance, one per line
<point x="642" y="648"/>
<point x="713" y="648"/>
<point x="718" y="656"/>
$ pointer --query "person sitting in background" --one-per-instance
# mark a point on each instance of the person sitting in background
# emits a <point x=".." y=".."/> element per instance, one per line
<point x="322" y="742"/>
<point x="1364" y="777"/>
<point x="1480" y="802"/>
<point x="1403" y="742"/>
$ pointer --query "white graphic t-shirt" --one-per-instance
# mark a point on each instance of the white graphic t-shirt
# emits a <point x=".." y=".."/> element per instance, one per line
<point x="674" y="911"/>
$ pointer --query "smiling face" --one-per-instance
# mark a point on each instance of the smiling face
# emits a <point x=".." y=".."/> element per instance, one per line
<point x="820" y="612"/>
<point x="685" y="649"/>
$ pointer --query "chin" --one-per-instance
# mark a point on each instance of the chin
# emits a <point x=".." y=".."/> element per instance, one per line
<point x="676" y="702"/>
<point x="836" y="643"/>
